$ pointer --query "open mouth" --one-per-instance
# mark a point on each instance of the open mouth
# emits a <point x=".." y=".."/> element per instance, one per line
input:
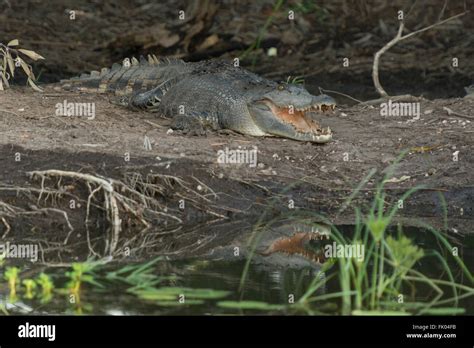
<point x="301" y="118"/>
<point x="309" y="245"/>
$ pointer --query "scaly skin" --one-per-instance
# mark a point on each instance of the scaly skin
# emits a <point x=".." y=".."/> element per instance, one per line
<point x="287" y="245"/>
<point x="212" y="94"/>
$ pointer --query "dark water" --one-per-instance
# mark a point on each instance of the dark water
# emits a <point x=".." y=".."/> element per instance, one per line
<point x="262" y="284"/>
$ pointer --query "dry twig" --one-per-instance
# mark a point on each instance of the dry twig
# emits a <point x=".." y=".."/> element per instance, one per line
<point x="400" y="37"/>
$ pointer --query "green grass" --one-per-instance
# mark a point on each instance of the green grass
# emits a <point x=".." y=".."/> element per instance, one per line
<point x="250" y="51"/>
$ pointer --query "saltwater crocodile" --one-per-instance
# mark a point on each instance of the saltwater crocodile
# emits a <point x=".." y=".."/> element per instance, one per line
<point x="283" y="245"/>
<point x="212" y="94"/>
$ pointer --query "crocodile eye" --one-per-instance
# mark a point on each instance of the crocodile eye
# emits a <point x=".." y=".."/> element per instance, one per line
<point x="281" y="87"/>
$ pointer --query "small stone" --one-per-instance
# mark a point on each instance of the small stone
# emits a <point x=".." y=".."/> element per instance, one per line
<point x="272" y="52"/>
<point x="169" y="131"/>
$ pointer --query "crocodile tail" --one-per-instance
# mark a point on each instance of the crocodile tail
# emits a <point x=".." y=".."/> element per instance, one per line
<point x="122" y="79"/>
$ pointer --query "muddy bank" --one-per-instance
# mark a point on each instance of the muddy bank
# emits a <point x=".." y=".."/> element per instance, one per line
<point x="137" y="149"/>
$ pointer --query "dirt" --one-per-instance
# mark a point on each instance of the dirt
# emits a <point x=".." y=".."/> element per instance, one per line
<point x="323" y="176"/>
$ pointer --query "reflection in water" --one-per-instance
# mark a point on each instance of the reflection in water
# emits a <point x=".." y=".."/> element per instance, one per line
<point x="264" y="282"/>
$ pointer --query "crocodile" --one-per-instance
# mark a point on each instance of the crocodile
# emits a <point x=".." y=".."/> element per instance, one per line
<point x="283" y="245"/>
<point x="211" y="94"/>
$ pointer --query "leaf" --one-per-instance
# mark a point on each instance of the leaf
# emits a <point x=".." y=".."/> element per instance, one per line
<point x="5" y="80"/>
<point x="249" y="305"/>
<point x="176" y="304"/>
<point x="11" y="64"/>
<point x="25" y="67"/>
<point x="4" y="54"/>
<point x="445" y="311"/>
<point x="34" y="86"/>
<point x="381" y="312"/>
<point x="169" y="293"/>
<point x="400" y="179"/>
<point x="3" y="65"/>
<point x="32" y="54"/>
<point x="14" y="42"/>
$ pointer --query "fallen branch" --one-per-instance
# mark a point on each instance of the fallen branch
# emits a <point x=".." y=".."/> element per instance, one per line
<point x="454" y="113"/>
<point x="399" y="37"/>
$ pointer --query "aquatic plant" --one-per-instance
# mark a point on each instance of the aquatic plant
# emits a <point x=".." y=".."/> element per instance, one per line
<point x="30" y="286"/>
<point x="47" y="287"/>
<point x="81" y="273"/>
<point x="11" y="276"/>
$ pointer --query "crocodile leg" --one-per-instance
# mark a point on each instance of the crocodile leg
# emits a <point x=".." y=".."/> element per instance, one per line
<point x="149" y="100"/>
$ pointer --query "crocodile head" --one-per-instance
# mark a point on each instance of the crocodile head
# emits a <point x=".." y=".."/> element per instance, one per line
<point x="285" y="245"/>
<point x="303" y="247"/>
<point x="289" y="111"/>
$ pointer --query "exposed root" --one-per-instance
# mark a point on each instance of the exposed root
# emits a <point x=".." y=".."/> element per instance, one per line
<point x="111" y="217"/>
<point x="110" y="198"/>
<point x="140" y="201"/>
<point x="7" y="226"/>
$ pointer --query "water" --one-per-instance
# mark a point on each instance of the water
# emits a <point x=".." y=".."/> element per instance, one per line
<point x="269" y="286"/>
